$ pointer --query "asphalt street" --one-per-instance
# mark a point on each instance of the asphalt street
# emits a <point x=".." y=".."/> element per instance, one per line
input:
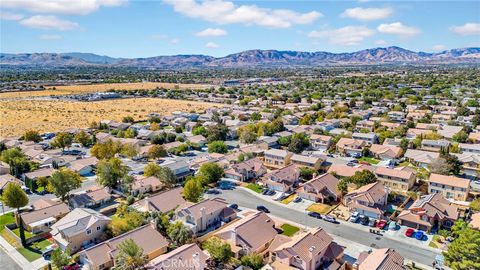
<point x="410" y="251"/>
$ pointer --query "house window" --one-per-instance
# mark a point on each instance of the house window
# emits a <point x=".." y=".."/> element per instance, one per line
<point x="98" y="228"/>
<point x="89" y="231"/>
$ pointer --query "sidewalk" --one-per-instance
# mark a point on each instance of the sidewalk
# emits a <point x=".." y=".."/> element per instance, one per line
<point x="353" y="225"/>
<point x="15" y="255"/>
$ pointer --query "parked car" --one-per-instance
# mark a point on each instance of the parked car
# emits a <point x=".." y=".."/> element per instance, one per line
<point x="265" y="191"/>
<point x="381" y="224"/>
<point x="263" y="209"/>
<point x="392" y="225"/>
<point x="315" y="215"/>
<point x="364" y="220"/>
<point x="329" y="219"/>
<point x="409" y="232"/>
<point x="47" y="253"/>
<point x="297" y="200"/>
<point x="354" y="217"/>
<point x="233" y="206"/>
<point x="213" y="191"/>
<point x="27" y="190"/>
<point x="371" y="222"/>
<point x="419" y="235"/>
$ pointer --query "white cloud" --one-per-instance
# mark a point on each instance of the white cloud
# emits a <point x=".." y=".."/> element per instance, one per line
<point x="348" y="35"/>
<point x="50" y="37"/>
<point x="49" y="22"/>
<point x="174" y="41"/>
<point x="468" y="29"/>
<point x="76" y="7"/>
<point x="439" y="47"/>
<point x="211" y="32"/>
<point x="398" y="29"/>
<point x="211" y="45"/>
<point x="225" y="12"/>
<point x="367" y="14"/>
<point x="380" y="42"/>
<point x="10" y="16"/>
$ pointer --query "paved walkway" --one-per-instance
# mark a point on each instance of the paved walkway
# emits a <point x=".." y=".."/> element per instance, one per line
<point x="15" y="255"/>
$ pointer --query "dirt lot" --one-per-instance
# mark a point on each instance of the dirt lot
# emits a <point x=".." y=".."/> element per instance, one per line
<point x="52" y="115"/>
<point x="82" y="89"/>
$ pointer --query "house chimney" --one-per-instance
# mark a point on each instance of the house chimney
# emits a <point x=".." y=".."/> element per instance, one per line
<point x="234" y="236"/>
<point x="311" y="250"/>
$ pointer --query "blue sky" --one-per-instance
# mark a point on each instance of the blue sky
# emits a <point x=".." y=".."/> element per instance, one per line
<point x="131" y="28"/>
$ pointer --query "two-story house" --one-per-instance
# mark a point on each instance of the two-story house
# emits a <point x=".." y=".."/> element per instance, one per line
<point x="435" y="145"/>
<point x="350" y="147"/>
<point x="276" y="158"/>
<point x="205" y="215"/>
<point x="79" y="228"/>
<point x="283" y="180"/>
<point x="385" y="152"/>
<point x="400" y="179"/>
<point x="311" y="162"/>
<point x="180" y="168"/>
<point x="246" y="170"/>
<point x="322" y="188"/>
<point x="469" y="148"/>
<point x="369" y="138"/>
<point x="369" y="200"/>
<point x="429" y="211"/>
<point x="421" y="158"/>
<point x="451" y="187"/>
<point x="320" y="142"/>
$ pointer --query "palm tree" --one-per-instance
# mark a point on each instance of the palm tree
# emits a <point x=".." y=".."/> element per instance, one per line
<point x="130" y="256"/>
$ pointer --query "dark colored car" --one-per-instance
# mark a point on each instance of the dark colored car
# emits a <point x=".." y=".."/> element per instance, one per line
<point x="315" y="215"/>
<point x="212" y="191"/>
<point x="364" y="220"/>
<point x="233" y="206"/>
<point x="263" y="209"/>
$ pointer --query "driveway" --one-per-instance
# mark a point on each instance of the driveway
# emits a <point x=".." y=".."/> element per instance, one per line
<point x="409" y="249"/>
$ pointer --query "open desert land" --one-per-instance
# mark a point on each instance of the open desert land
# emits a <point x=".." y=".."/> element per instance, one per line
<point x="52" y="115"/>
<point x="103" y="87"/>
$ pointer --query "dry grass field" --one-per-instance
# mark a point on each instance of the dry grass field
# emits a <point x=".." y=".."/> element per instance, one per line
<point x="82" y="89"/>
<point x="53" y="115"/>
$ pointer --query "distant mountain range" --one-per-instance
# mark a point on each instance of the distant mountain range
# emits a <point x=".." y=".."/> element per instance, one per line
<point x="248" y="59"/>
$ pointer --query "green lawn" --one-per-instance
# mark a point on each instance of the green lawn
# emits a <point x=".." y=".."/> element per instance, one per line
<point x="5" y="219"/>
<point x="40" y="189"/>
<point x="34" y="251"/>
<point x="289" y="230"/>
<point x="27" y="233"/>
<point x="369" y="160"/>
<point x="320" y="208"/>
<point x="255" y="187"/>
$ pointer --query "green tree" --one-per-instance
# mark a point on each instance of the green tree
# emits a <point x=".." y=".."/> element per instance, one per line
<point x="130" y="256"/>
<point x="255" y="116"/>
<point x="342" y="186"/>
<point x="129" y="150"/>
<point x="106" y="150"/>
<point x="254" y="261"/>
<point x="83" y="138"/>
<point x="130" y="133"/>
<point x="299" y="142"/>
<point x="32" y="135"/>
<point x="151" y="169"/>
<point x="460" y="137"/>
<point x="220" y="251"/>
<point x="217" y="133"/>
<point x="156" y="151"/>
<point x="166" y="175"/>
<point x="60" y="258"/>
<point x="217" y="147"/>
<point x="128" y="119"/>
<point x="13" y="196"/>
<point x="192" y="191"/>
<point x="111" y="172"/>
<point x="464" y="252"/>
<point x="247" y="133"/>
<point x="179" y="233"/>
<point x="210" y="172"/>
<point x="306" y="173"/>
<point x="475" y="205"/>
<point x="199" y="130"/>
<point x="362" y="178"/>
<point x="63" y="181"/>
<point x="62" y="140"/>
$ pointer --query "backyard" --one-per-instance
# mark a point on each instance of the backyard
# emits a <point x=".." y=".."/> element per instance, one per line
<point x="34" y="251"/>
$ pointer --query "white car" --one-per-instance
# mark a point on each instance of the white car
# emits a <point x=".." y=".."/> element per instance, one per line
<point x="354" y="217"/>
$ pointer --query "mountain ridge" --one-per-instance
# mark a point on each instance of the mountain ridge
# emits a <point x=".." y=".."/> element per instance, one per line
<point x="249" y="58"/>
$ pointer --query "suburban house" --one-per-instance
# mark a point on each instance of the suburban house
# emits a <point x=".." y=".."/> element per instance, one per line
<point x="320" y="142"/>
<point x="251" y="234"/>
<point x="469" y="148"/>
<point x="396" y="116"/>
<point x="5" y="179"/>
<point x="102" y="256"/>
<point x="180" y="258"/>
<point x="350" y="147"/>
<point x="322" y="188"/>
<point x="346" y="171"/>
<point x="41" y="220"/>
<point x="312" y="250"/>
<point x="311" y="162"/>
<point x="92" y="198"/>
<point x="435" y="145"/>
<point x="369" y="138"/>
<point x="80" y="228"/>
<point x="399" y="179"/>
<point x="369" y="200"/>
<point x="385" y="152"/>
<point x="144" y="185"/>
<point x="283" y="180"/>
<point x="180" y="168"/>
<point x="162" y="202"/>
<point x="380" y="259"/>
<point x="365" y="124"/>
<point x="276" y="158"/>
<point x="198" y="139"/>
<point x="470" y="164"/>
<point x="421" y="158"/>
<point x="31" y="178"/>
<point x="4" y="168"/>
<point x="429" y="211"/>
<point x="246" y="170"/>
<point x="205" y="215"/>
<point x="451" y="187"/>
<point x="413" y="133"/>
<point x="84" y="166"/>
